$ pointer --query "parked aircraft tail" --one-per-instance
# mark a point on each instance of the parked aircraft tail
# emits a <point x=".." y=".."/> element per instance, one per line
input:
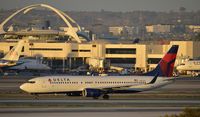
<point x="166" y="65"/>
<point x="15" y="52"/>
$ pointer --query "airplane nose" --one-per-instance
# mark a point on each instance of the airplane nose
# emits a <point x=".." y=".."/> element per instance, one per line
<point x="23" y="87"/>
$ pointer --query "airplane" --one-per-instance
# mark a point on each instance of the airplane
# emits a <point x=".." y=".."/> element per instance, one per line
<point x="96" y="86"/>
<point x="30" y="64"/>
<point x="192" y="66"/>
<point x="12" y="57"/>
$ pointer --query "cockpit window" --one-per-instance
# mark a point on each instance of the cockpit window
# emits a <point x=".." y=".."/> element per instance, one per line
<point x="31" y="82"/>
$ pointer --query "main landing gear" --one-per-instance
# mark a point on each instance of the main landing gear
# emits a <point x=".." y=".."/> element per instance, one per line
<point x="36" y="96"/>
<point x="106" y="97"/>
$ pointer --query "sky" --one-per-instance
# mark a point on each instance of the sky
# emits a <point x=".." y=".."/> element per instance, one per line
<point x="108" y="5"/>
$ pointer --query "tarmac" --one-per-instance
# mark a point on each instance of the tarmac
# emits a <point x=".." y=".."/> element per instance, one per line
<point x="89" y="112"/>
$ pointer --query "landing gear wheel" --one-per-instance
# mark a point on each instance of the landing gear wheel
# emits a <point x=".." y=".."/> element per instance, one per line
<point x="35" y="96"/>
<point x="105" y="97"/>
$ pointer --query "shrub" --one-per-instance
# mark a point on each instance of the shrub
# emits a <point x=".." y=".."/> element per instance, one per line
<point x="188" y="112"/>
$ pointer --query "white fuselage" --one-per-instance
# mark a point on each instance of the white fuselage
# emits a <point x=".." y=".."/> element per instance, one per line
<point x="193" y="65"/>
<point x="62" y="84"/>
<point x="32" y="64"/>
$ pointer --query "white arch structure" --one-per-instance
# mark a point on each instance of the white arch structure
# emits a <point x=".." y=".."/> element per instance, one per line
<point x="70" y="32"/>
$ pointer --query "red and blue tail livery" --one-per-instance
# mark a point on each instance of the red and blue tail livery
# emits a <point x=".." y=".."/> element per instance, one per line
<point x="166" y="65"/>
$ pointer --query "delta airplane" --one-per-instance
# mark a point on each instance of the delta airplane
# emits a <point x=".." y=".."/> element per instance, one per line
<point x="12" y="57"/>
<point x="96" y="86"/>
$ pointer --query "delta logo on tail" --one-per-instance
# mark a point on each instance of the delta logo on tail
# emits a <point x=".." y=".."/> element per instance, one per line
<point x="166" y="65"/>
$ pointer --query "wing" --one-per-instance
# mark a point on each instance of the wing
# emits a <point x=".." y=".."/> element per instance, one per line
<point x="124" y="86"/>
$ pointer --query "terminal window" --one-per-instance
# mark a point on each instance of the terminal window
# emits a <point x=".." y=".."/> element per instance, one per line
<point x="81" y="50"/>
<point x="153" y="60"/>
<point x="122" y="60"/>
<point x="120" y="51"/>
<point x="84" y="50"/>
<point x="74" y="50"/>
<point x="54" y="49"/>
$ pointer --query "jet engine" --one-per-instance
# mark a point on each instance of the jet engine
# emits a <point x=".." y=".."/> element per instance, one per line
<point x="91" y="92"/>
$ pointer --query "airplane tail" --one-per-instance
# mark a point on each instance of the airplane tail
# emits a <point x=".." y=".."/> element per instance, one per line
<point x="15" y="52"/>
<point x="166" y="65"/>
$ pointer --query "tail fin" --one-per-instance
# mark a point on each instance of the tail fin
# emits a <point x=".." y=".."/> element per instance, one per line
<point x="15" y="52"/>
<point x="166" y="65"/>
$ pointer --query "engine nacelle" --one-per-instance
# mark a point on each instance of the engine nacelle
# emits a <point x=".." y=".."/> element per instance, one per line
<point x="91" y="92"/>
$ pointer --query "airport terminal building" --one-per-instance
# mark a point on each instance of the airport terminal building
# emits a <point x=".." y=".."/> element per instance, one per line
<point x="68" y="55"/>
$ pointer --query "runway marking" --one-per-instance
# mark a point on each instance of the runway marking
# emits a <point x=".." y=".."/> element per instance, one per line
<point x="102" y="101"/>
<point x="60" y="110"/>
